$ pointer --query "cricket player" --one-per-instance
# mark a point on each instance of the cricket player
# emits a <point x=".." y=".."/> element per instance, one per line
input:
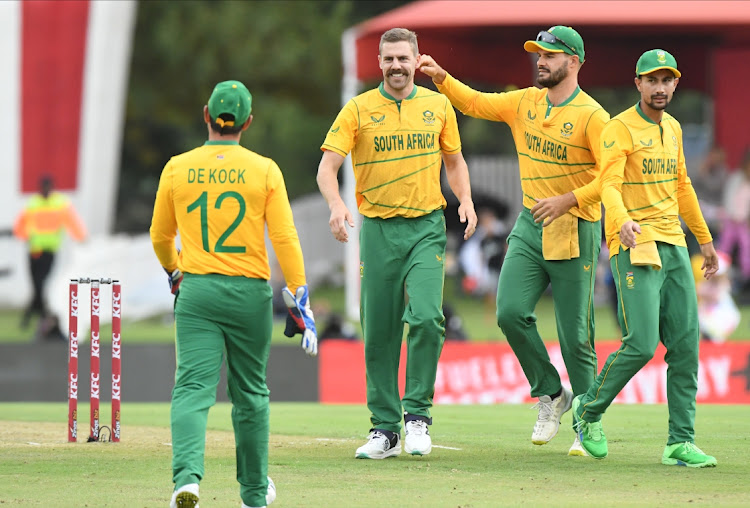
<point x="645" y="189"/>
<point x="556" y="130"/>
<point x="220" y="197"/>
<point x="398" y="135"/>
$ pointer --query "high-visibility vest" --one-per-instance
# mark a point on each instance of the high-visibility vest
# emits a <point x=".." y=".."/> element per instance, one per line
<point x="44" y="220"/>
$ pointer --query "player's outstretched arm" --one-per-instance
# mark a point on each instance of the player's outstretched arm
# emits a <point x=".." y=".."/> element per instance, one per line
<point x="429" y="66"/>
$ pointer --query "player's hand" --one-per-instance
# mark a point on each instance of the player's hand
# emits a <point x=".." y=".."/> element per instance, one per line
<point x="552" y="208"/>
<point x="300" y="319"/>
<point x="175" y="279"/>
<point x="710" y="260"/>
<point x="429" y="66"/>
<point x="468" y="215"/>
<point x="340" y="217"/>
<point x="628" y="232"/>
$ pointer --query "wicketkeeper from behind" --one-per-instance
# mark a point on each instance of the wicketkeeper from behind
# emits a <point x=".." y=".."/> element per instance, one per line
<point x="220" y="197"/>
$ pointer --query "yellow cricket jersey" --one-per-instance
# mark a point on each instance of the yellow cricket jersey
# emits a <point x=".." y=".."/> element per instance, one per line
<point x="396" y="148"/>
<point x="644" y="179"/>
<point x="220" y="196"/>
<point x="557" y="146"/>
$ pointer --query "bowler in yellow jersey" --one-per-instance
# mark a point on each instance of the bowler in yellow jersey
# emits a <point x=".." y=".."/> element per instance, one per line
<point x="220" y="197"/>
<point x="398" y="134"/>
<point x="556" y="131"/>
<point x="645" y="190"/>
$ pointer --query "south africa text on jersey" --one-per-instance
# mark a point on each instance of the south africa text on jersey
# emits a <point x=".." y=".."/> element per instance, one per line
<point x="415" y="141"/>
<point x="546" y="147"/>
<point x="660" y="166"/>
<point x="213" y="175"/>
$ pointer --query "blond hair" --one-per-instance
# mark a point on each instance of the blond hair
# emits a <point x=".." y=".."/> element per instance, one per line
<point x="398" y="35"/>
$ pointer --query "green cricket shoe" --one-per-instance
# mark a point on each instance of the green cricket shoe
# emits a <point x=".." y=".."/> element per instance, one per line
<point x="686" y="454"/>
<point x="590" y="434"/>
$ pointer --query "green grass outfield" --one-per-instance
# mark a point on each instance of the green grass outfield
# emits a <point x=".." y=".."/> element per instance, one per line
<point x="484" y="459"/>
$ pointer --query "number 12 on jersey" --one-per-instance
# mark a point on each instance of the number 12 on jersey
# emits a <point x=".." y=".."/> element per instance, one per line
<point x="202" y="203"/>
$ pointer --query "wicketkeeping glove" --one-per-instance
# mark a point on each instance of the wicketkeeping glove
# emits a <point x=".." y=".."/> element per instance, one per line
<point x="300" y="319"/>
<point x="175" y="279"/>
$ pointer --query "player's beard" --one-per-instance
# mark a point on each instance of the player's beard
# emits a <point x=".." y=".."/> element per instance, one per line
<point x="554" y="78"/>
<point x="658" y="107"/>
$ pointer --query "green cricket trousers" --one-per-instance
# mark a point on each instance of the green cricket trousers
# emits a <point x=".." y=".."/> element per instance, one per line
<point x="397" y="255"/>
<point x="654" y="305"/>
<point x="215" y="314"/>
<point x="524" y="276"/>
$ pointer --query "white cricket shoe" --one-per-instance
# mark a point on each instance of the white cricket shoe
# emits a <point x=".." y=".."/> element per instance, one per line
<point x="417" y="440"/>
<point x="185" y="497"/>
<point x="577" y="450"/>
<point x="270" y="495"/>
<point x="550" y="413"/>
<point x="378" y="446"/>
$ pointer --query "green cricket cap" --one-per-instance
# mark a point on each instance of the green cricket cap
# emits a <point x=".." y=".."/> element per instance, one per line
<point x="654" y="60"/>
<point x="558" y="39"/>
<point x="230" y="98"/>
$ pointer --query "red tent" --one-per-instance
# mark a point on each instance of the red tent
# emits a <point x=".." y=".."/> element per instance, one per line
<point x="482" y="41"/>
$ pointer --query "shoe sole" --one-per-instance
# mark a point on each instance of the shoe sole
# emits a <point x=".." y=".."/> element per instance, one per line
<point x="418" y="452"/>
<point x="677" y="462"/>
<point x="577" y="452"/>
<point x="393" y="452"/>
<point x="186" y="500"/>
<point x="557" y="429"/>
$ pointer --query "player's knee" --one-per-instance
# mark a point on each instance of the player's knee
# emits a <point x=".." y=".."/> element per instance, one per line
<point x="429" y="323"/>
<point x="511" y="315"/>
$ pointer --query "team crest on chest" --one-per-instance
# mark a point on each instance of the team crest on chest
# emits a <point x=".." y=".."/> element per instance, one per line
<point x="567" y="130"/>
<point x="428" y="117"/>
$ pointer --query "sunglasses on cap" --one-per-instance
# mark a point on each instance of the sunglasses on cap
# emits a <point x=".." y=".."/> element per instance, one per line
<point x="545" y="36"/>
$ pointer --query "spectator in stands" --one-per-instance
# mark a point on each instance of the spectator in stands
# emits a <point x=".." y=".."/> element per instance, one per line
<point x="454" y="326"/>
<point x="718" y="315"/>
<point x="736" y="226"/>
<point x="336" y="327"/>
<point x="709" y="184"/>
<point x="481" y="256"/>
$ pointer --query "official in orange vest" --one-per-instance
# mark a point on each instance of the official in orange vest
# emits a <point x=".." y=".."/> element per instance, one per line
<point x="42" y="224"/>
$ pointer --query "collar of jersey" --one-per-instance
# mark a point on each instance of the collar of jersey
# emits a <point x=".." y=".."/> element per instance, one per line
<point x="643" y="115"/>
<point x="566" y="101"/>
<point x="221" y="142"/>
<point x="388" y="96"/>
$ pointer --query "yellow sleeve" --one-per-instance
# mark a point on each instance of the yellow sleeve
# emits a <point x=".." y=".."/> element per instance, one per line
<point x="616" y="145"/>
<point x="163" y="223"/>
<point x="282" y="232"/>
<point x="342" y="135"/>
<point x="489" y="106"/>
<point x="589" y="194"/>
<point x="687" y="201"/>
<point x="450" y="140"/>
